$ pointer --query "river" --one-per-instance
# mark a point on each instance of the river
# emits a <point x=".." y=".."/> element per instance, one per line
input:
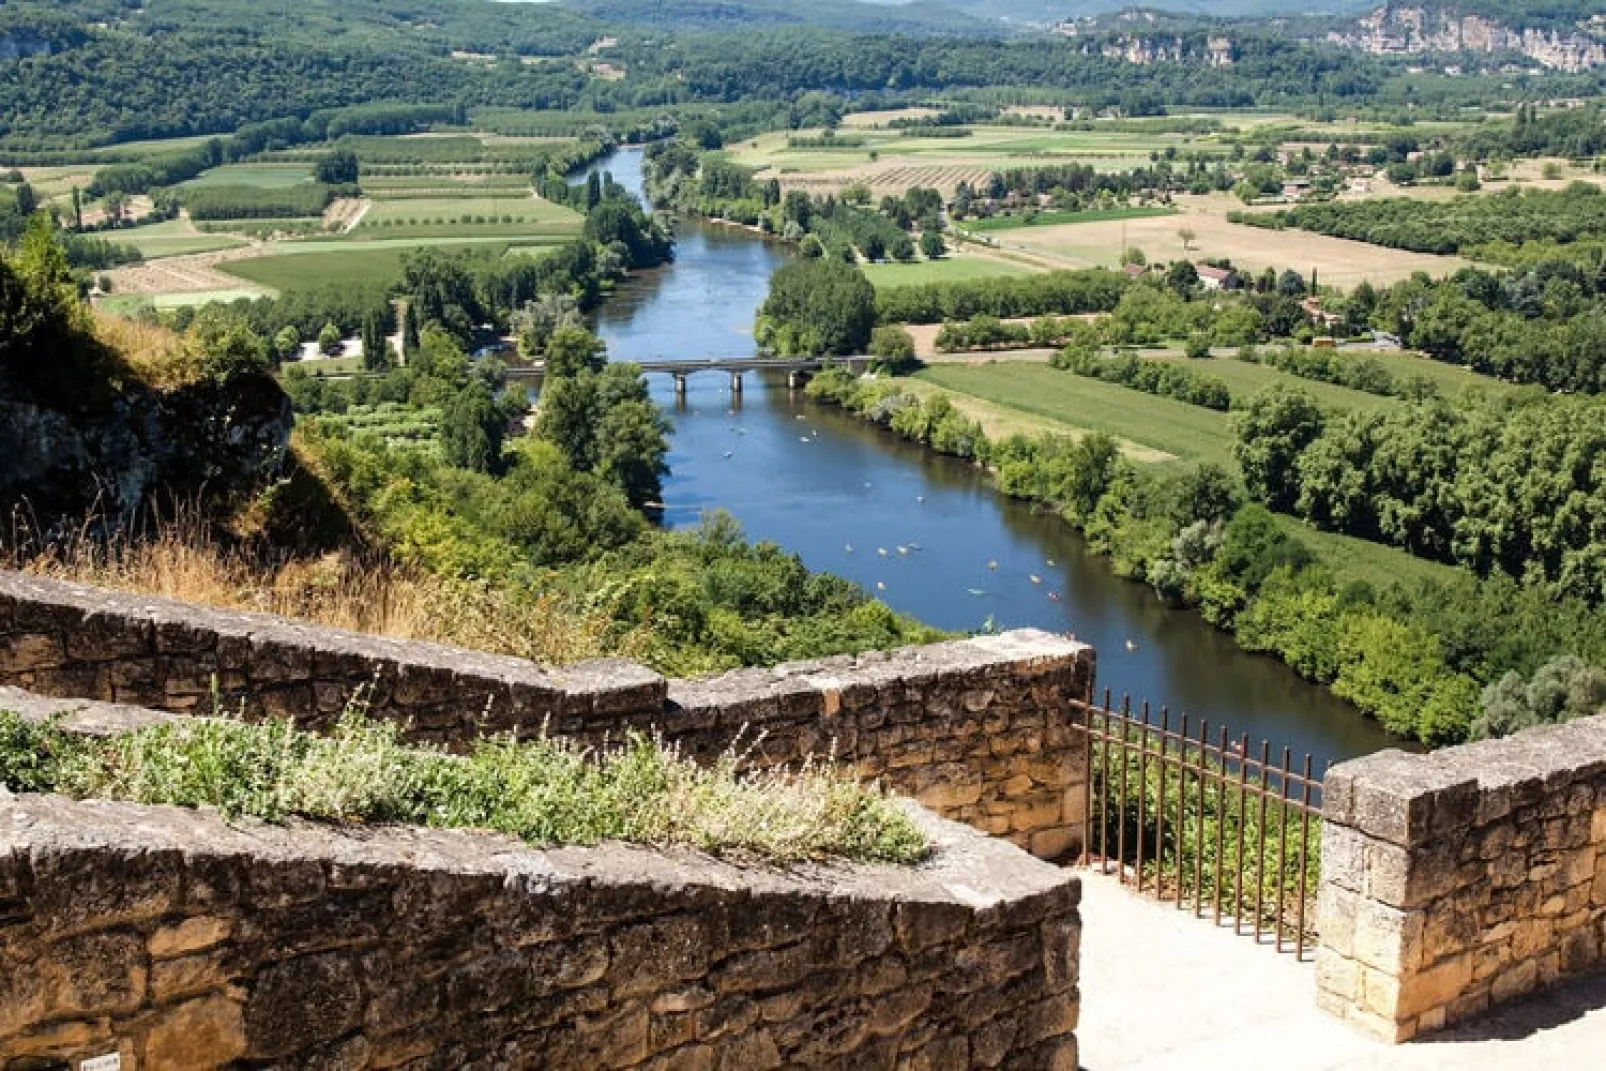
<point x="925" y="533"/>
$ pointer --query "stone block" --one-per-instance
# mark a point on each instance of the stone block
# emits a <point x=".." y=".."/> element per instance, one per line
<point x="1337" y="977"/>
<point x="1386" y="938"/>
<point x="301" y="1002"/>
<point x="93" y="975"/>
<point x="198" y="1034"/>
<point x="1434" y="987"/>
<point x="1516" y="981"/>
<point x="29" y="651"/>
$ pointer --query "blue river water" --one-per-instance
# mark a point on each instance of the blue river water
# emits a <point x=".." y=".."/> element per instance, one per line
<point x="925" y="533"/>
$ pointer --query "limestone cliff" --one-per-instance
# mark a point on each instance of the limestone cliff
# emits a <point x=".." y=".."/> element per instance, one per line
<point x="1410" y="29"/>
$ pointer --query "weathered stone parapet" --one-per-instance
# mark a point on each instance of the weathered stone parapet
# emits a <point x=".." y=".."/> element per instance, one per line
<point x="180" y="941"/>
<point x="72" y="641"/>
<point x="978" y="730"/>
<point x="1462" y="878"/>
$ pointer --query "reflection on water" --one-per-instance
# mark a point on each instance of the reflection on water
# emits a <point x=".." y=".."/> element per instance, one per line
<point x="924" y="532"/>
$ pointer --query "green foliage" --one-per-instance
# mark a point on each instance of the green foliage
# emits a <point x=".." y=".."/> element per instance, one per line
<point x="1513" y="216"/>
<point x="1063" y="293"/>
<point x="980" y="333"/>
<point x="1562" y="689"/>
<point x="1276" y="425"/>
<point x="1492" y="485"/>
<point x="1155" y="377"/>
<point x="256" y="202"/>
<point x="339" y="168"/>
<point x="545" y="791"/>
<point x="815" y="308"/>
<point x="472" y="428"/>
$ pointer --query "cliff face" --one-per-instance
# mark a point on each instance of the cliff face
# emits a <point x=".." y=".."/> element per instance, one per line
<point x="112" y="457"/>
<point x="1407" y="30"/>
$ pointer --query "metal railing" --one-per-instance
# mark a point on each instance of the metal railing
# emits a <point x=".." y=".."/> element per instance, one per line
<point x="1192" y="814"/>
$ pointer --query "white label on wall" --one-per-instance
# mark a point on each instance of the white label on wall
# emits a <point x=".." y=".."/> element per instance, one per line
<point x="110" y="1062"/>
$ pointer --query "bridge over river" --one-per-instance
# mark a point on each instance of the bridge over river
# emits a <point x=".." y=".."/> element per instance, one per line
<point x="797" y="369"/>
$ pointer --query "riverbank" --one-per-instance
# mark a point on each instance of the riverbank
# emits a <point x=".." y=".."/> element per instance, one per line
<point x="1275" y="586"/>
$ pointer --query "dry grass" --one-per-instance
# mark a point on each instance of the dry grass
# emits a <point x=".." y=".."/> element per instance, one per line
<point x="180" y="559"/>
<point x="157" y="356"/>
<point x="1339" y="261"/>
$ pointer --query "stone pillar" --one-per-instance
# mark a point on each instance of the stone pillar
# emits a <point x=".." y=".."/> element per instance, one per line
<point x="1461" y="879"/>
<point x="680" y="384"/>
<point x="736" y="383"/>
<point x="794" y="380"/>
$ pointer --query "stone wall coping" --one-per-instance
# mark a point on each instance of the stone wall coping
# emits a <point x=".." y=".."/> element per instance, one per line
<point x="822" y="684"/>
<point x="1410" y="799"/>
<point x="967" y="869"/>
<point x="88" y="717"/>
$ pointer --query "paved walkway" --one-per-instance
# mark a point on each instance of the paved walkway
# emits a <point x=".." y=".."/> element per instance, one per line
<point x="1162" y="990"/>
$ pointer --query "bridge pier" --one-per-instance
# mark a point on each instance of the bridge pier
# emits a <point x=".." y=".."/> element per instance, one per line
<point x="794" y="379"/>
<point x="680" y="384"/>
<point x="736" y="382"/>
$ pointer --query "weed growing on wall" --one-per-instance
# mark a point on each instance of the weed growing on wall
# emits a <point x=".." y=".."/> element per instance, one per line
<point x="547" y="792"/>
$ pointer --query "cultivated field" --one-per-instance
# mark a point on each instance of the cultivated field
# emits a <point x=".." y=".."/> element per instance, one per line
<point x="172" y="238"/>
<point x="1337" y="261"/>
<point x="888" y="162"/>
<point x="948" y="269"/>
<point x="260" y="176"/>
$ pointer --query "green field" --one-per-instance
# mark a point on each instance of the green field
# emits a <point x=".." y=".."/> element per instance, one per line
<point x="316" y="263"/>
<point x="348" y="267"/>
<point x="131" y="304"/>
<point x="172" y="238"/>
<point x="261" y="176"/>
<point x="441" y="185"/>
<point x="1186" y="431"/>
<point x="156" y="146"/>
<point x="946" y="270"/>
<point x="1244" y="379"/>
<point x="1452" y="379"/>
<point x="516" y="215"/>
<point x="329" y="366"/>
<point x="1048" y="219"/>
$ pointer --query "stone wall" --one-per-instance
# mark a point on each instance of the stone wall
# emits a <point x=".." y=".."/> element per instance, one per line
<point x="977" y="730"/>
<point x="1463" y="878"/>
<point x="179" y="941"/>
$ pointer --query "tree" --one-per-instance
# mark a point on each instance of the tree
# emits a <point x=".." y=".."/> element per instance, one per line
<point x="620" y="219"/>
<point x="893" y="342"/>
<point x="1564" y="688"/>
<point x="329" y="340"/>
<point x="472" y="429"/>
<point x="632" y="441"/>
<point x="572" y="350"/>
<point x="1197" y="346"/>
<point x="27" y="200"/>
<point x="1187" y="234"/>
<point x="535" y="323"/>
<point x="932" y="246"/>
<point x="1134" y="255"/>
<point x="1269" y="436"/>
<point x="287" y="343"/>
<point x="77" y="209"/>
<point x="409" y="331"/>
<point x="339" y="168"/>
<point x="115" y="204"/>
<point x="817" y="308"/>
<point x="375" y="346"/>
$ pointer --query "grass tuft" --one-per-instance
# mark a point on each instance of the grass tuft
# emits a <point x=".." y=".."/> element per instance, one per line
<point x="547" y="792"/>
